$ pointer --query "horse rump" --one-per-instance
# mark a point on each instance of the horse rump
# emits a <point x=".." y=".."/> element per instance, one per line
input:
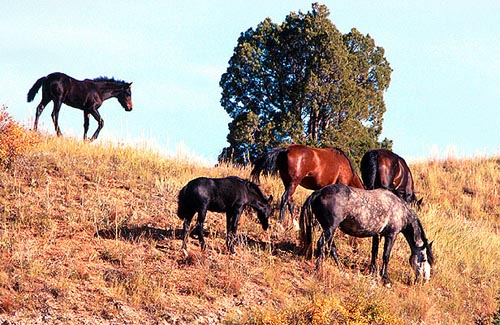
<point x="267" y="163"/>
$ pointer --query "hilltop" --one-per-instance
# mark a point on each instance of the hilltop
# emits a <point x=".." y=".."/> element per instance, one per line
<point x="89" y="235"/>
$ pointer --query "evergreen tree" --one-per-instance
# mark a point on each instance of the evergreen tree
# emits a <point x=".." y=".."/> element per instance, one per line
<point x="304" y="82"/>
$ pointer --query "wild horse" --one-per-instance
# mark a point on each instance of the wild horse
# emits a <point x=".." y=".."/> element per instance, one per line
<point x="231" y="195"/>
<point x="312" y="168"/>
<point x="381" y="168"/>
<point x="363" y="213"/>
<point x="87" y="95"/>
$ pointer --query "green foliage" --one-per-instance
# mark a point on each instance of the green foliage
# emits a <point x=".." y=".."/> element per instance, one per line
<point x="304" y="82"/>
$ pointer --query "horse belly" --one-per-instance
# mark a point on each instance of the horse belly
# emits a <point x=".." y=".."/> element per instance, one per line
<point x="362" y="227"/>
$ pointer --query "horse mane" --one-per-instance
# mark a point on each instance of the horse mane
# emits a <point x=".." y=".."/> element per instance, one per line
<point x="107" y="79"/>
<point x="416" y="226"/>
<point x="255" y="187"/>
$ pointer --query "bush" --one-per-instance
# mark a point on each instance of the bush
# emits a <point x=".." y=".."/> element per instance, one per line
<point x="14" y="139"/>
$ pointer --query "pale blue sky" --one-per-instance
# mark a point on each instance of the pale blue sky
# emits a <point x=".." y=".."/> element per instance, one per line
<point x="444" y="94"/>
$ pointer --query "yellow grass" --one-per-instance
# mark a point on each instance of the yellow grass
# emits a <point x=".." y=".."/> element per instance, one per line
<point x="89" y="235"/>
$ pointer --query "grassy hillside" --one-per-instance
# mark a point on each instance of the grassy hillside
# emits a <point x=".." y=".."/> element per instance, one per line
<point x="89" y="235"/>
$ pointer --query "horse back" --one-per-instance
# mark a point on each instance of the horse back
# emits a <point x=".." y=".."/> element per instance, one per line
<point x="322" y="166"/>
<point x="214" y="194"/>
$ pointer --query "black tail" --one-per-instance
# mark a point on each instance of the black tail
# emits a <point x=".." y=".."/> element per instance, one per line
<point x="369" y="169"/>
<point x="35" y="88"/>
<point x="181" y="204"/>
<point x="305" y="224"/>
<point x="266" y="162"/>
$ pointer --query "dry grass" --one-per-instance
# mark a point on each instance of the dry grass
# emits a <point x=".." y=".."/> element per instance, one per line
<point x="89" y="235"/>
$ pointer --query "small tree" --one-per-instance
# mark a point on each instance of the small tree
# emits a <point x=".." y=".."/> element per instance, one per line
<point x="14" y="139"/>
<point x="304" y="82"/>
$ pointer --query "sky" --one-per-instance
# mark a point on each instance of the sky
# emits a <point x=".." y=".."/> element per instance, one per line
<point x="443" y="99"/>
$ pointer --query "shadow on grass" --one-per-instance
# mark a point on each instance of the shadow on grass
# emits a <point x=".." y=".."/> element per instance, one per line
<point x="135" y="234"/>
<point x="139" y="233"/>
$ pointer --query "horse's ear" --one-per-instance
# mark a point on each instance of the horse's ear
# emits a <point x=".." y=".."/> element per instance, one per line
<point x="130" y="85"/>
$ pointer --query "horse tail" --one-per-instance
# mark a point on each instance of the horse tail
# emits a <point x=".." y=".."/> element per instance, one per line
<point x="35" y="88"/>
<point x="369" y="169"/>
<point x="305" y="224"/>
<point x="181" y="204"/>
<point x="266" y="162"/>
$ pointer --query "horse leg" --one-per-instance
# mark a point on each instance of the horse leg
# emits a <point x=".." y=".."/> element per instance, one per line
<point x="100" y="123"/>
<point x="39" y="110"/>
<point x="333" y="247"/>
<point x="388" y="243"/>
<point x="320" y="251"/>
<point x="202" y="213"/>
<point x="373" y="263"/>
<point x="232" y="220"/>
<point x="285" y="200"/>
<point x="85" y="124"/>
<point x="55" y="116"/>
<point x="185" y="229"/>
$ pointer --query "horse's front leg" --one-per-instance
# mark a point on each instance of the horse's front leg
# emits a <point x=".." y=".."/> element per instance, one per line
<point x="232" y="219"/>
<point x="373" y="262"/>
<point x="86" y="121"/>
<point x="388" y="243"/>
<point x="100" y="123"/>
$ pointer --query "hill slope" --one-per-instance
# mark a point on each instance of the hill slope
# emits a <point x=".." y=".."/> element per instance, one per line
<point x="89" y="235"/>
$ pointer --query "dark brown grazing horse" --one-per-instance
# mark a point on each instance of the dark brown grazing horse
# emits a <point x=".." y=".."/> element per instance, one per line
<point x="86" y="95"/>
<point x="312" y="168"/>
<point x="382" y="168"/>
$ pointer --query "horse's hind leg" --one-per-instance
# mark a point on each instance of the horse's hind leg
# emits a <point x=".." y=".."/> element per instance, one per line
<point x="55" y="116"/>
<point x="202" y="213"/>
<point x="185" y="229"/>
<point x="373" y="263"/>
<point x="39" y="110"/>
<point x="286" y="200"/>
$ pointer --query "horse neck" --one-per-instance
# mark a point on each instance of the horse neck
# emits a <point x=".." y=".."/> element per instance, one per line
<point x="108" y="89"/>
<point x="254" y="198"/>
<point x="413" y="232"/>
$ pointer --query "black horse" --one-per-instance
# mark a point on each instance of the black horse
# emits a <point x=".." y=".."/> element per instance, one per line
<point x="86" y="95"/>
<point x="381" y="168"/>
<point x="363" y="213"/>
<point x="231" y="195"/>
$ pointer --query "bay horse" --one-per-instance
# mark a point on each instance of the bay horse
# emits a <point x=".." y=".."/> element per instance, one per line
<point x="366" y="213"/>
<point x="230" y="194"/>
<point x="382" y="168"/>
<point x="312" y="168"/>
<point x="87" y="95"/>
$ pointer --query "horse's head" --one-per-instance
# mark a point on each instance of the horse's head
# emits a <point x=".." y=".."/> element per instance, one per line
<point x="125" y="96"/>
<point x="421" y="261"/>
<point x="264" y="210"/>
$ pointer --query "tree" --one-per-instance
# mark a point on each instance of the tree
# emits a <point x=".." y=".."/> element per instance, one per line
<point x="304" y="82"/>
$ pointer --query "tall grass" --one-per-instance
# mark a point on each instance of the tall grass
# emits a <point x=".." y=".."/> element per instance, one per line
<point x="89" y="234"/>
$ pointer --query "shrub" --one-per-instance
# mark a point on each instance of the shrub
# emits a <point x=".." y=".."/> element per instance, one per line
<point x="14" y="139"/>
